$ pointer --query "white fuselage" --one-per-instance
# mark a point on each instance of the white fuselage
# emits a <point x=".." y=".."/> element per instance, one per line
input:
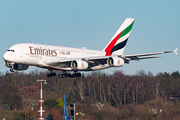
<point x="36" y="54"/>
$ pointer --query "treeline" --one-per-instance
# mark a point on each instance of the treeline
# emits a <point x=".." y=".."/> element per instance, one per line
<point x="96" y="89"/>
<point x="120" y="89"/>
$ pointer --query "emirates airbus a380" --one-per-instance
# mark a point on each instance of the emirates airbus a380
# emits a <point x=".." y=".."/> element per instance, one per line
<point x="20" y="56"/>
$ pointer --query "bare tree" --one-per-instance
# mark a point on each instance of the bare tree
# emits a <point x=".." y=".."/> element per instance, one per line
<point x="79" y="87"/>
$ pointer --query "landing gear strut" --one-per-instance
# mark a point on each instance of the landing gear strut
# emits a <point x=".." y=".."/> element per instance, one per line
<point x="12" y="67"/>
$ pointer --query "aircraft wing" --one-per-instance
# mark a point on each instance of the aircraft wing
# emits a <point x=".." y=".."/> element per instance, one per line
<point x="128" y="57"/>
<point x="101" y="61"/>
<point x="145" y="55"/>
<point x="65" y="64"/>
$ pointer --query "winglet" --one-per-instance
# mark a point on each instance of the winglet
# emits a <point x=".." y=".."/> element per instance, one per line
<point x="175" y="51"/>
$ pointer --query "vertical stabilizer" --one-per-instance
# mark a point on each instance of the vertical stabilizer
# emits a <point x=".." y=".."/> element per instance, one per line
<point x="66" y="116"/>
<point x="118" y="42"/>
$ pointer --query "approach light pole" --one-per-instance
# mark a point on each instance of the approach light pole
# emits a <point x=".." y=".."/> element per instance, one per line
<point x="41" y="100"/>
<point x="74" y="111"/>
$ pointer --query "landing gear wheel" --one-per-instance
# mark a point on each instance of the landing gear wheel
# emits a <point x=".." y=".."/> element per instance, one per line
<point x="76" y="75"/>
<point x="59" y="76"/>
<point x="79" y="74"/>
<point x="54" y="74"/>
<point x="73" y="75"/>
<point x="51" y="74"/>
<point x="64" y="75"/>
<point x="69" y="75"/>
<point x="12" y="70"/>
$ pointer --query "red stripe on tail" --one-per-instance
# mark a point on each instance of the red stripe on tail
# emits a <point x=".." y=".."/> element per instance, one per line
<point x="111" y="45"/>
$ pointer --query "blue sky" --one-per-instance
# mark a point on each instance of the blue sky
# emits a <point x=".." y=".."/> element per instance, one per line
<point x="92" y="24"/>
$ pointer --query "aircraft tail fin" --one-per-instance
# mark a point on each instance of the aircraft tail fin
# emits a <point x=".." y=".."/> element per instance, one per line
<point x="66" y="116"/>
<point x="118" y="42"/>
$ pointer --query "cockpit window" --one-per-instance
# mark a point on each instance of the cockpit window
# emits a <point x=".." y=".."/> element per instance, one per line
<point x="11" y="50"/>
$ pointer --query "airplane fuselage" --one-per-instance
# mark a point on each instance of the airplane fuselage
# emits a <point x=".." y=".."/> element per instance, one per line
<point x="36" y="54"/>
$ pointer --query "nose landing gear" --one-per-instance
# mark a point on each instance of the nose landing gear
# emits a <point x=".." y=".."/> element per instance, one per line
<point x="12" y="67"/>
<point x="12" y="70"/>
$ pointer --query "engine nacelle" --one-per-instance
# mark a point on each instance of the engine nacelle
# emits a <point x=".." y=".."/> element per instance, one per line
<point x="115" y="61"/>
<point x="16" y="66"/>
<point x="79" y="65"/>
<point x="20" y="67"/>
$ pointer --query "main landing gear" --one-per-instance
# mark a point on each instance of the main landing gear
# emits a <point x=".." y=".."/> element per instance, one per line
<point x="65" y="74"/>
<point x="51" y="74"/>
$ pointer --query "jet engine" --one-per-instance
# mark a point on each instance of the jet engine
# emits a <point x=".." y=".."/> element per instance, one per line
<point x="79" y="65"/>
<point x="16" y="66"/>
<point x="20" y="67"/>
<point x="115" y="61"/>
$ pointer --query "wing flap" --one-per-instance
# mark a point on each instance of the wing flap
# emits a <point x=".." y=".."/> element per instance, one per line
<point x="146" y="54"/>
<point x="149" y="57"/>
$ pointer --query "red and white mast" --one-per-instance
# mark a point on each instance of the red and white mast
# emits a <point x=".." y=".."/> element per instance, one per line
<point x="41" y="100"/>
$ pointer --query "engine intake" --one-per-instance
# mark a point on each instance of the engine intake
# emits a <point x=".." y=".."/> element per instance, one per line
<point x="20" y="67"/>
<point x="115" y="61"/>
<point x="79" y="65"/>
<point x="16" y="66"/>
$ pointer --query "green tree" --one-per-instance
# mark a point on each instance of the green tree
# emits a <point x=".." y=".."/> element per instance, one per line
<point x="60" y="102"/>
<point x="17" y="115"/>
<point x="5" y="107"/>
<point x="165" y="84"/>
<point x="175" y="84"/>
<point x="175" y="75"/>
<point x="50" y="103"/>
<point x="71" y="97"/>
<point x="93" y="94"/>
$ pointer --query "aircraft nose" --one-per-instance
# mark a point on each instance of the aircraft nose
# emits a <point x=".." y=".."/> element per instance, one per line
<point x="6" y="56"/>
